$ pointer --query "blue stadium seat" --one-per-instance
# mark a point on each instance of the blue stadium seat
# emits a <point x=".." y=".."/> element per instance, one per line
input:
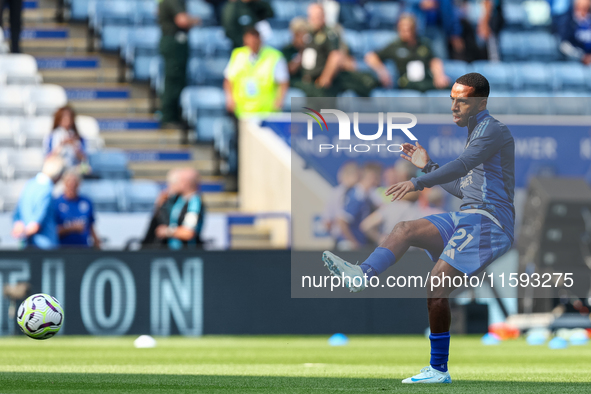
<point x="279" y="39"/>
<point x="285" y="11"/>
<point x="215" y="128"/>
<point x="110" y="164"/>
<point x="140" y="195"/>
<point x="291" y="93"/>
<point x="455" y="69"/>
<point x="353" y="15"/>
<point x="208" y="71"/>
<point x="511" y="46"/>
<point x="203" y="10"/>
<point x="354" y="41"/>
<point x="112" y="19"/>
<point x="383" y="15"/>
<point x="79" y="10"/>
<point x="500" y="75"/>
<point x="569" y="76"/>
<point x="540" y="46"/>
<point x="157" y="74"/>
<point x="533" y="76"/>
<point x="374" y="40"/>
<point x="531" y="103"/>
<point x="139" y="48"/>
<point x="209" y="41"/>
<point x="514" y="15"/>
<point x="147" y="12"/>
<point x="202" y="101"/>
<point x="104" y="194"/>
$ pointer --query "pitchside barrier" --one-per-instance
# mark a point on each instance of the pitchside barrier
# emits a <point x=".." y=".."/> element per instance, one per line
<point x="192" y="293"/>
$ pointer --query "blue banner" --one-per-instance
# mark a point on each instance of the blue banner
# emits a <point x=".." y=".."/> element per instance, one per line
<point x="128" y="124"/>
<point x="97" y="94"/>
<point x="67" y="62"/>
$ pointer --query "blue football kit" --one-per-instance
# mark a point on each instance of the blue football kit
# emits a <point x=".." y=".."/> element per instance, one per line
<point x="484" y="178"/>
<point x="78" y="210"/>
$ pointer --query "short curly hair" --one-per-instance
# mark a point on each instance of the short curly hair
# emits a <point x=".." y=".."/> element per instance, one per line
<point x="476" y="81"/>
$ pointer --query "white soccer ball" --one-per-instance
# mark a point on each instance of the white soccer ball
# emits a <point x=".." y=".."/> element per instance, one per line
<point x="40" y="316"/>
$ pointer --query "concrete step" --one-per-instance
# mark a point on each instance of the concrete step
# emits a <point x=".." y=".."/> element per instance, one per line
<point x="222" y="202"/>
<point x="102" y="74"/>
<point x="62" y="46"/>
<point x="102" y="107"/>
<point x="161" y="168"/>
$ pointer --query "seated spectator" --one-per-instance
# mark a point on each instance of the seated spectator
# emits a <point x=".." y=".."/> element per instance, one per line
<point x="322" y="57"/>
<point x="574" y="29"/>
<point x="293" y="51"/>
<point x="75" y="216"/>
<point x="238" y="16"/>
<point x="65" y="141"/>
<point x="476" y="41"/>
<point x="417" y="67"/>
<point x="357" y="206"/>
<point x="256" y="78"/>
<point x="347" y="177"/>
<point x="34" y="216"/>
<point x="162" y="208"/>
<point x="183" y="229"/>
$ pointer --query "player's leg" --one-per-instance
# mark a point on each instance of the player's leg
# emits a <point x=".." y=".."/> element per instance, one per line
<point x="439" y="323"/>
<point x="422" y="233"/>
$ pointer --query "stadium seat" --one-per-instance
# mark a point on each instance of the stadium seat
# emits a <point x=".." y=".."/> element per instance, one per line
<point x="540" y="46"/>
<point x="374" y="40"/>
<point x="285" y="11"/>
<point x="46" y="99"/>
<point x="511" y="46"/>
<point x="147" y="12"/>
<point x="34" y="130"/>
<point x="500" y="75"/>
<point x="279" y="39"/>
<point x="103" y="193"/>
<point x="10" y="193"/>
<point x="291" y="93"/>
<point x="89" y="129"/>
<point x="9" y="130"/>
<point x="21" y="164"/>
<point x="569" y="76"/>
<point x="138" y="48"/>
<point x="79" y="10"/>
<point x="533" y="76"/>
<point x="109" y="164"/>
<point x="382" y="15"/>
<point x="212" y="71"/>
<point x="214" y="128"/>
<point x="157" y="74"/>
<point x="455" y="69"/>
<point x="354" y="41"/>
<point x="353" y="15"/>
<point x="202" y="101"/>
<point x="209" y="41"/>
<point x="202" y="10"/>
<point x="111" y="19"/>
<point x="20" y="69"/>
<point x="140" y="195"/>
<point x="14" y="100"/>
<point x="514" y="15"/>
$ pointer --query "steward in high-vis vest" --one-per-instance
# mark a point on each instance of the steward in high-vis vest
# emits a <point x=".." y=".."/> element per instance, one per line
<point x="256" y="78"/>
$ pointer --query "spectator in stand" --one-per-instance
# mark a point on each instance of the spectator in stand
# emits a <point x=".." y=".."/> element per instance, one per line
<point x="34" y="216"/>
<point x="417" y="67"/>
<point x="65" y="141"/>
<point x="256" y="78"/>
<point x="75" y="216"/>
<point x="322" y="58"/>
<point x="574" y="29"/>
<point x="478" y="40"/>
<point x="238" y="16"/>
<point x="16" y="11"/>
<point x="174" y="48"/>
<point x="162" y="208"/>
<point x="187" y="212"/>
<point x="358" y="205"/>
<point x="347" y="177"/>
<point x="293" y="51"/>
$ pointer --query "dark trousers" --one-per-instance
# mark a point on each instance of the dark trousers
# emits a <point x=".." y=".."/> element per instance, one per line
<point x="16" y="10"/>
<point x="175" y="55"/>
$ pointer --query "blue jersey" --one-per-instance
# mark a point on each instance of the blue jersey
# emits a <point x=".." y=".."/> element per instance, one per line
<point x="69" y="212"/>
<point x="186" y="213"/>
<point x="357" y="206"/>
<point x="484" y="174"/>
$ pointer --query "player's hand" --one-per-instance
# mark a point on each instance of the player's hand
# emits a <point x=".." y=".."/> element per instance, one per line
<point x="162" y="231"/>
<point x="18" y="230"/>
<point x="417" y="155"/>
<point x="323" y="81"/>
<point x="400" y="189"/>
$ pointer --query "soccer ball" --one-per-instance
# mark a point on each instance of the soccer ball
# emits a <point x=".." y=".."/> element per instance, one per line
<point x="40" y="316"/>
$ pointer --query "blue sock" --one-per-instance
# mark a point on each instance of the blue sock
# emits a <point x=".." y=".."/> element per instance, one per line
<point x="378" y="262"/>
<point x="439" y="350"/>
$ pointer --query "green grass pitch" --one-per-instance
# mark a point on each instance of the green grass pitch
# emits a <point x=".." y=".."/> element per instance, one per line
<point x="283" y="364"/>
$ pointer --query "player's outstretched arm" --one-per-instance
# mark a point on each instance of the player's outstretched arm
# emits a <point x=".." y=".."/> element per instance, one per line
<point x="415" y="154"/>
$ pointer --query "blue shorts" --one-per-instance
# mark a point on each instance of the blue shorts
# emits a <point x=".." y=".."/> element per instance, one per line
<point x="472" y="241"/>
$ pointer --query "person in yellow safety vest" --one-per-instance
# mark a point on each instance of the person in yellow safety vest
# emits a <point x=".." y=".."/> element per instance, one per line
<point x="256" y="78"/>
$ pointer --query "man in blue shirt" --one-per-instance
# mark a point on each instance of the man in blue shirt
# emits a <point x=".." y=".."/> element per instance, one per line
<point x="460" y="243"/>
<point x="75" y="215"/>
<point x="186" y="215"/>
<point x="34" y="218"/>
